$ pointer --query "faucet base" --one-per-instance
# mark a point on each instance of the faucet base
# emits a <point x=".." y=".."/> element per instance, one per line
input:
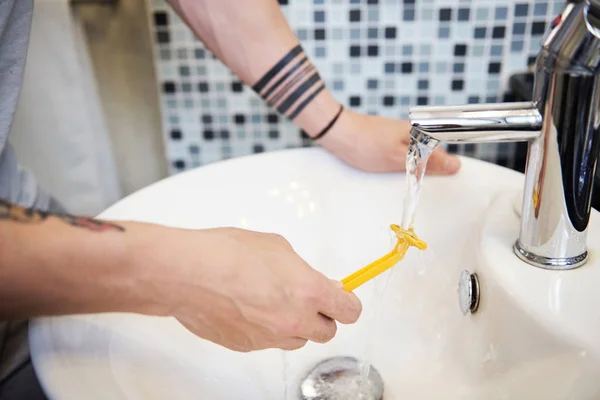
<point x="555" y="264"/>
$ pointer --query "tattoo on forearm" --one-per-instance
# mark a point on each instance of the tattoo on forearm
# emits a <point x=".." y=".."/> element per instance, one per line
<point x="291" y="85"/>
<point x="12" y="212"/>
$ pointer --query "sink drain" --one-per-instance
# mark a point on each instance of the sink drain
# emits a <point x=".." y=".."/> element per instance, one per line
<point x="340" y="378"/>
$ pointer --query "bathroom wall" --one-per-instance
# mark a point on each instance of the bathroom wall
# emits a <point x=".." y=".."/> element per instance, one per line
<point x="377" y="56"/>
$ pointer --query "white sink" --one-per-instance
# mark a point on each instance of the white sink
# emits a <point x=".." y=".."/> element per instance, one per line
<point x="536" y="334"/>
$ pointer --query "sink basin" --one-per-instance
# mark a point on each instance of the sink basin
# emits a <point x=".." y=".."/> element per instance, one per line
<point x="534" y="335"/>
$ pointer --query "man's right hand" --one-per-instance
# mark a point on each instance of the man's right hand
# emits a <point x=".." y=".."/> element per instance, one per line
<point x="245" y="290"/>
<point x="241" y="289"/>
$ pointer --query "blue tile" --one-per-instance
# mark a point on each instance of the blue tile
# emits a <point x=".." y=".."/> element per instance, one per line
<point x="496" y="50"/>
<point x="407" y="50"/>
<point x="423" y="67"/>
<point x="372" y="33"/>
<point x="302" y="34"/>
<point x="355" y="34"/>
<point x="320" y="52"/>
<point x="338" y="85"/>
<point x="540" y="9"/>
<point x="373" y="84"/>
<point x="444" y="32"/>
<point x="389" y="68"/>
<point x="516" y="46"/>
<point x="501" y="13"/>
<point x="319" y="16"/>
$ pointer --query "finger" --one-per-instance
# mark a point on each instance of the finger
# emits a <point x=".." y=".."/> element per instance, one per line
<point x="292" y="344"/>
<point x="442" y="163"/>
<point x="322" y="329"/>
<point x="338" y="304"/>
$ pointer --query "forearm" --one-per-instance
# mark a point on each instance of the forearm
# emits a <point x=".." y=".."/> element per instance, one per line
<point x="52" y="265"/>
<point x="253" y="38"/>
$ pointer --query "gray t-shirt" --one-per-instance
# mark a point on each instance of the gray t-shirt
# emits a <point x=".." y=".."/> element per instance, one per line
<point x="17" y="185"/>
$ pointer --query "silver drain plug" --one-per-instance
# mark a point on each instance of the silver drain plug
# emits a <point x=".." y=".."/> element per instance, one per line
<point x="340" y="378"/>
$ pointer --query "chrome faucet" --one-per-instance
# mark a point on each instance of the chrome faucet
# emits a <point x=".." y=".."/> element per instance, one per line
<point x="562" y="126"/>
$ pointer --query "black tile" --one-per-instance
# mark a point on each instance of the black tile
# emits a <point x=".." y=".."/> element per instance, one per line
<point x="422" y="101"/>
<point x="460" y="50"/>
<point x="470" y="148"/>
<point x="407" y="67"/>
<point x="452" y="148"/>
<point x="354" y="101"/>
<point x="473" y="99"/>
<point x="208" y="134"/>
<point x="354" y="51"/>
<point x="388" y="101"/>
<point x="445" y="14"/>
<point x="390" y="32"/>
<point x="372" y="50"/>
<point x="531" y="60"/>
<point x="272" y="118"/>
<point x="224" y="134"/>
<point x="538" y="28"/>
<point x="479" y="32"/>
<point x="494" y="68"/>
<point x="239" y="119"/>
<point x="491" y="99"/>
<point x="502" y="161"/>
<point x="498" y="32"/>
<point x="169" y="87"/>
<point x="423" y="84"/>
<point x="161" y="18"/>
<point x="521" y="9"/>
<point x="372" y="1"/>
<point x="354" y="16"/>
<point x="163" y="37"/>
<point x="283" y="2"/>
<point x="409" y="1"/>
<point x="458" y="85"/>
<point x="389" y="68"/>
<point x="179" y="164"/>
<point x="237" y="87"/>
<point x="176" y="134"/>
<point x="203" y="87"/>
<point x="320" y="34"/>
<point x="273" y="134"/>
<point x="258" y="148"/>
<point x="464" y="14"/>
<point x="207" y="119"/>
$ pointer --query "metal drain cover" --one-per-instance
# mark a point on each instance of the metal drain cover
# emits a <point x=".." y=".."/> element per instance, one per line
<point x="339" y="378"/>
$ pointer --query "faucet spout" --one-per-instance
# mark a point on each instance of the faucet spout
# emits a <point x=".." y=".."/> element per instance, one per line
<point x="479" y="123"/>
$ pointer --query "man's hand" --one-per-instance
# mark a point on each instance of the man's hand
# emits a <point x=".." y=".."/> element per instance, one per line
<point x="247" y="290"/>
<point x="241" y="289"/>
<point x="378" y="144"/>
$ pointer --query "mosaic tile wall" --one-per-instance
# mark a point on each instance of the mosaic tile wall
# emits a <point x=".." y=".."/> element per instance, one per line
<point x="376" y="56"/>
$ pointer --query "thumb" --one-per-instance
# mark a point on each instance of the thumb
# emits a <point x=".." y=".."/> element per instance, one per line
<point x="442" y="163"/>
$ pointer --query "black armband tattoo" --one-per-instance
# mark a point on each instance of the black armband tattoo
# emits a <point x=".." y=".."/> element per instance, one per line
<point x="291" y="84"/>
<point x="12" y="212"/>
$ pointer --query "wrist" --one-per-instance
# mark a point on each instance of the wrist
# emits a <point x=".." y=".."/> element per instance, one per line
<point x="318" y="114"/>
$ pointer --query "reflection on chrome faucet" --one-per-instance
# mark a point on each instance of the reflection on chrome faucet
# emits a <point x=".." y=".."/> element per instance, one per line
<point x="562" y="125"/>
